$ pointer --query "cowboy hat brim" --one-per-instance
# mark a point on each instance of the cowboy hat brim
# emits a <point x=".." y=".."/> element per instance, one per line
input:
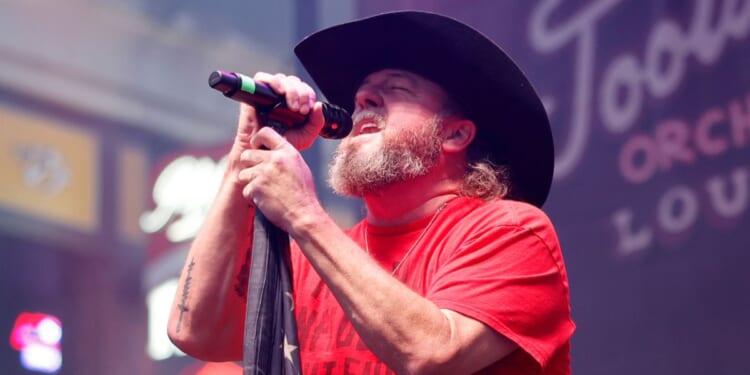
<point x="491" y="90"/>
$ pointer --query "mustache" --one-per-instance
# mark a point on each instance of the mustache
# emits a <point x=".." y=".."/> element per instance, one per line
<point x="367" y="115"/>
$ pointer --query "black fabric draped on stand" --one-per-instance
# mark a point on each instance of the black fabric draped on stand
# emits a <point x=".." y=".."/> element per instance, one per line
<point x="271" y="344"/>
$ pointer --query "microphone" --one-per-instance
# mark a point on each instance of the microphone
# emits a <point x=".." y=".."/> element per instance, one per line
<point x="338" y="122"/>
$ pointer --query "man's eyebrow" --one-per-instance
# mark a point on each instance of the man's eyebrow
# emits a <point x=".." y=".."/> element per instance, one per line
<point x="408" y="76"/>
<point x="400" y="75"/>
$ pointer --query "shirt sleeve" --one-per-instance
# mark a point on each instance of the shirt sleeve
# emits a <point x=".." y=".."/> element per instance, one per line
<point x="513" y="280"/>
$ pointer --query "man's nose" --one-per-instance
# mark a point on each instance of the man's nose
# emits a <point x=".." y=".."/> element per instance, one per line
<point x="367" y="97"/>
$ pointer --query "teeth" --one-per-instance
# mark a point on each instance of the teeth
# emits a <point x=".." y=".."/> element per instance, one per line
<point x="367" y="122"/>
<point x="368" y="127"/>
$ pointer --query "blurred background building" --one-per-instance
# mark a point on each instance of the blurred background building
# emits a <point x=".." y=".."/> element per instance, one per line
<point x="111" y="147"/>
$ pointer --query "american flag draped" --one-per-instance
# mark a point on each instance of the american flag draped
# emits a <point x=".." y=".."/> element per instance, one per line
<point x="271" y="343"/>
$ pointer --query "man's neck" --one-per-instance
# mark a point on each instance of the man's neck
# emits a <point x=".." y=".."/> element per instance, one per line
<point x="405" y="202"/>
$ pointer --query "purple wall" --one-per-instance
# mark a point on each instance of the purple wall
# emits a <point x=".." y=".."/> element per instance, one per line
<point x="650" y="106"/>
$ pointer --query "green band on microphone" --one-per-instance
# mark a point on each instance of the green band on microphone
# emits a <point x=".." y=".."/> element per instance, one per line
<point x="248" y="84"/>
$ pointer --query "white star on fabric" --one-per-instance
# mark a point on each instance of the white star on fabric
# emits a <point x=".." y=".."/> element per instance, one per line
<point x="288" y="349"/>
<point x="291" y="300"/>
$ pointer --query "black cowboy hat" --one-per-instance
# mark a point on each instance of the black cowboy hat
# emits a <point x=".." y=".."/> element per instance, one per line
<point x="512" y="125"/>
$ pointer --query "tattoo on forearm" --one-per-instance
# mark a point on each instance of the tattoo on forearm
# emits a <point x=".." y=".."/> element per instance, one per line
<point x="241" y="285"/>
<point x="182" y="306"/>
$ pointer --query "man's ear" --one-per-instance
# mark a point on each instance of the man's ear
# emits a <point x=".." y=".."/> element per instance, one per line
<point x="458" y="134"/>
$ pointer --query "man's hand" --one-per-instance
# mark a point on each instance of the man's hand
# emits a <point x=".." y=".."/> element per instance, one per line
<point x="277" y="180"/>
<point x="299" y="96"/>
<point x="269" y="167"/>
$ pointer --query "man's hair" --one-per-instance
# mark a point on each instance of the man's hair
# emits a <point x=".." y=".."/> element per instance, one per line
<point x="483" y="178"/>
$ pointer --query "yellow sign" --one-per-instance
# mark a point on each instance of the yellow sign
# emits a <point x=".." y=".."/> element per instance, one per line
<point x="49" y="170"/>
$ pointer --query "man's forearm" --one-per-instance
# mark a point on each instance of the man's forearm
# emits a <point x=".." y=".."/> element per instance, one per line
<point x="206" y="319"/>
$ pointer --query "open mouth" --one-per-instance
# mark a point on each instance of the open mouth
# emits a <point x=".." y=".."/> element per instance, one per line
<point x="367" y="125"/>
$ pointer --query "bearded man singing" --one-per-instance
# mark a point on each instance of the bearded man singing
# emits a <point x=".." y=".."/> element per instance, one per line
<point x="454" y="269"/>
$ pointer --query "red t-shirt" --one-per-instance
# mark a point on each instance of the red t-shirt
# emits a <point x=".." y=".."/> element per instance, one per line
<point x="497" y="262"/>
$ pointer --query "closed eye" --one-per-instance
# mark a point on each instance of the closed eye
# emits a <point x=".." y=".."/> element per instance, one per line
<point x="400" y="88"/>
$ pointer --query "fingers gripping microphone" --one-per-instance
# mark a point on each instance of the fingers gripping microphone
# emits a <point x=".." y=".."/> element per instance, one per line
<point x="338" y="122"/>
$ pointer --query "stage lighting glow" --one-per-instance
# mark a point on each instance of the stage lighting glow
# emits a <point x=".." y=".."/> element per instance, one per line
<point x="37" y="337"/>
<point x="49" y="331"/>
<point x="41" y="358"/>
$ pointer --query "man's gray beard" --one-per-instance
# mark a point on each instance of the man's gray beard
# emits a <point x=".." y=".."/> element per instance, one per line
<point x="402" y="157"/>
